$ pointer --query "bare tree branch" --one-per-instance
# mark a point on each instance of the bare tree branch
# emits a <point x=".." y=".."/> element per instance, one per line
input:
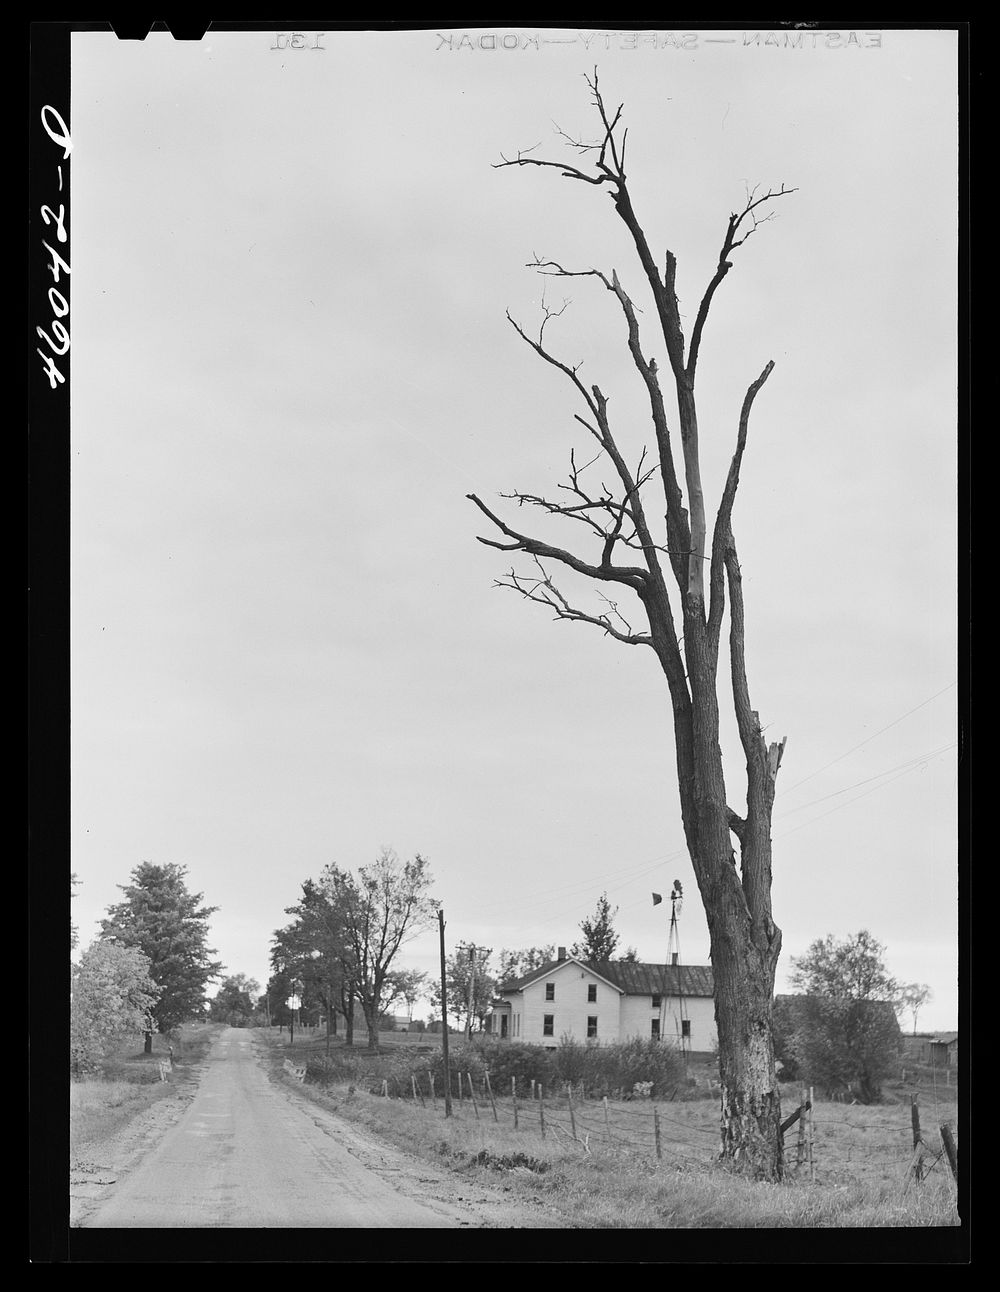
<point x="542" y="590"/>
<point x="632" y="576"/>
<point x="729" y="244"/>
<point x="722" y="536"/>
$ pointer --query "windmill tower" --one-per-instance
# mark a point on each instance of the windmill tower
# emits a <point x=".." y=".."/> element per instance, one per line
<point x="674" y="961"/>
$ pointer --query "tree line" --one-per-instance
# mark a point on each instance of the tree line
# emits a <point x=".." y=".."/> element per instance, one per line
<point x="339" y="951"/>
<point x="840" y="1031"/>
<point x="149" y="969"/>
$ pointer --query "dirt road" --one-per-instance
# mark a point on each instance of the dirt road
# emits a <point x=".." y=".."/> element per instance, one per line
<point x="246" y="1152"/>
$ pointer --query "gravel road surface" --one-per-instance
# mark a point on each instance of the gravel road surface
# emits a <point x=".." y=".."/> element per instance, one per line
<point x="240" y="1150"/>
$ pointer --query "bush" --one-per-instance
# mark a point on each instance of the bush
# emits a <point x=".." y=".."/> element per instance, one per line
<point x="611" y="1068"/>
<point x="599" y="1069"/>
<point x="840" y="1046"/>
<point x="511" y="1059"/>
<point x="572" y="1061"/>
<point x="339" y="1065"/>
<point x="126" y="1072"/>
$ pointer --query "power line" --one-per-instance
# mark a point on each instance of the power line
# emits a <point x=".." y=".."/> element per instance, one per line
<point x="907" y="766"/>
<point x="867" y="739"/>
<point x="905" y="772"/>
<point x="640" y="869"/>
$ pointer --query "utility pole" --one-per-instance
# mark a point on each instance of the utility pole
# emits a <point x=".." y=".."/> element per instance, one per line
<point x="472" y="993"/>
<point x="444" y="1020"/>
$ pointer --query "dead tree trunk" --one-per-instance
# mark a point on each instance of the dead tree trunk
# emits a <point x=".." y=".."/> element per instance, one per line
<point x="745" y="941"/>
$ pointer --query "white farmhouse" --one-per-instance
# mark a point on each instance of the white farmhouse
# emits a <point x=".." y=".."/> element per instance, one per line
<point x="608" y="1001"/>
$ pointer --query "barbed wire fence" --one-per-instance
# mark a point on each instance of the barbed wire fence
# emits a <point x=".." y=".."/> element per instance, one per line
<point x="816" y="1148"/>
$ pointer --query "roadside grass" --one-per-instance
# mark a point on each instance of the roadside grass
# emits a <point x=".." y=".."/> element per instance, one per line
<point x="609" y="1175"/>
<point x="128" y="1082"/>
<point x="99" y="1108"/>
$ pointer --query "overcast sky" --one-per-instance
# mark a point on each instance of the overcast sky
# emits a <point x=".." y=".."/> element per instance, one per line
<point x="291" y="364"/>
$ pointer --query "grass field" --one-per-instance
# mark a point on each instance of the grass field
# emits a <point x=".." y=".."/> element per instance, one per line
<point x="596" y="1162"/>
<point x="599" y="1162"/>
<point x="129" y="1081"/>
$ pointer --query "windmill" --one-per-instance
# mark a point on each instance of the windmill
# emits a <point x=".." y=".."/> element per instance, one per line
<point x="673" y="955"/>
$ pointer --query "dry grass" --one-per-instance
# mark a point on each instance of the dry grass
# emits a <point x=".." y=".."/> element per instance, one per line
<point x="609" y="1175"/>
<point x="98" y="1109"/>
<point x="129" y="1082"/>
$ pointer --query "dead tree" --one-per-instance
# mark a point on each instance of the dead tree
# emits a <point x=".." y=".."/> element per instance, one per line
<point x="629" y="553"/>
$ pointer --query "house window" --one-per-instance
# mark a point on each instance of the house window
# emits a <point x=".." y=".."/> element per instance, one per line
<point x="592" y="1026"/>
<point x="550" y="991"/>
<point x="548" y="1025"/>
<point x="592" y="992"/>
<point x="686" y="1027"/>
<point x="655" y="1029"/>
<point x="656" y="1002"/>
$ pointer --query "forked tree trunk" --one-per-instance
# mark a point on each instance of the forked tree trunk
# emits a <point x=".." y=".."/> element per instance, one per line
<point x="745" y="941"/>
<point x="744" y="992"/>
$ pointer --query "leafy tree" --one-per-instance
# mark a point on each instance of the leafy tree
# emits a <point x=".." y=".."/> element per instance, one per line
<point x="316" y="950"/>
<point x="170" y="927"/>
<point x="467" y="978"/>
<point x="356" y="925"/>
<point x="112" y="999"/>
<point x="515" y="964"/>
<point x="384" y="906"/>
<point x="599" y="937"/>
<point x="853" y="969"/>
<point x="913" y="997"/>
<point x="404" y="985"/>
<point x="236" y="1001"/>
<point x="842" y="1032"/>
<point x="680" y="574"/>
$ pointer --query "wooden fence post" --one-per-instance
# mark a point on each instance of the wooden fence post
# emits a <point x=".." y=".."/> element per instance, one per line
<point x="800" y="1148"/>
<point x="948" y="1140"/>
<point x="812" y="1164"/>
<point x="513" y="1098"/>
<point x="541" y="1108"/>
<point x="607" y="1120"/>
<point x="472" y="1095"/>
<point x="493" y="1103"/>
<point x="572" y="1117"/>
<point x="918" y="1168"/>
<point x="430" y="1081"/>
<point x="656" y="1132"/>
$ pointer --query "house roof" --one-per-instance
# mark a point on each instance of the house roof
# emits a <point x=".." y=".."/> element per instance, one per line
<point x="631" y="979"/>
<point x="945" y="1038"/>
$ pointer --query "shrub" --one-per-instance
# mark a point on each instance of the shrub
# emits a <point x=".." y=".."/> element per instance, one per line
<point x="573" y="1063"/>
<point x="610" y="1068"/>
<point x="337" y="1066"/>
<point x="525" y="1063"/>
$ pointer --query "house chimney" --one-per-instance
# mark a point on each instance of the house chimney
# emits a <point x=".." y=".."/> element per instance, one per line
<point x="562" y="953"/>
